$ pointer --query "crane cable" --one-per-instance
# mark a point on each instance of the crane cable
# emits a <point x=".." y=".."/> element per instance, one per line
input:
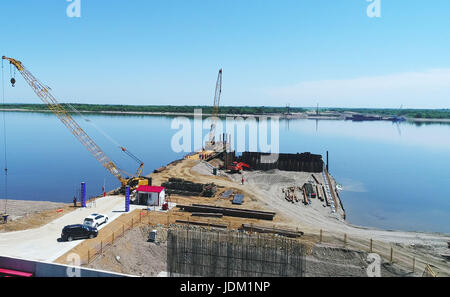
<point x="93" y="124"/>
<point x="4" y="138"/>
<point x="136" y="159"/>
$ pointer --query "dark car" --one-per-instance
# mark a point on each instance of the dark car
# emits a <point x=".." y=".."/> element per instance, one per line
<point x="79" y="231"/>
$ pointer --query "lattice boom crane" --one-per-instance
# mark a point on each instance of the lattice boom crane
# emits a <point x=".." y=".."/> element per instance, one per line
<point x="215" y="112"/>
<point x="43" y="93"/>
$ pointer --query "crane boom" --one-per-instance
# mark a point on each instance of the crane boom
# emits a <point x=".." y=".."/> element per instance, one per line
<point x="43" y="93"/>
<point x="215" y="112"/>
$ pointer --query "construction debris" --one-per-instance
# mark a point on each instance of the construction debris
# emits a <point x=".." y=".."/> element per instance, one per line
<point x="202" y="224"/>
<point x="238" y="199"/>
<point x="290" y="194"/>
<point x="282" y="232"/>
<point x="207" y="214"/>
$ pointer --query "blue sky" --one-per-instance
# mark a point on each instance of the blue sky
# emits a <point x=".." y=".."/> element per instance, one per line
<point x="300" y="52"/>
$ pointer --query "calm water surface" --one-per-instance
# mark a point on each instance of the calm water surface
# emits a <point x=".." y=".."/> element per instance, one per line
<point x="394" y="176"/>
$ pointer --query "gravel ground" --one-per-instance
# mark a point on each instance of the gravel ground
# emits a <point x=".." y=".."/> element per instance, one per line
<point x="265" y="190"/>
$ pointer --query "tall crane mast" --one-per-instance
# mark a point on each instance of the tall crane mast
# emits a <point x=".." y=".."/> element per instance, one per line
<point x="43" y="93"/>
<point x="215" y="111"/>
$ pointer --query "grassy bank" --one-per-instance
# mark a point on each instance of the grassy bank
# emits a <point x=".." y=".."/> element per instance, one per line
<point x="160" y="108"/>
<point x="237" y="110"/>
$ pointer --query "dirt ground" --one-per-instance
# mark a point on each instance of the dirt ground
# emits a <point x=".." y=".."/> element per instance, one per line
<point x="262" y="191"/>
<point x="25" y="215"/>
<point x="329" y="261"/>
<point x="134" y="254"/>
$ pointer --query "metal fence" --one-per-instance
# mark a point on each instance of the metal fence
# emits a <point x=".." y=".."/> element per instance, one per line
<point x="232" y="254"/>
<point x="95" y="249"/>
<point x="389" y="252"/>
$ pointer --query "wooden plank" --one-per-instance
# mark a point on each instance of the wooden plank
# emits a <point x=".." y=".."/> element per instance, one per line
<point x="325" y="196"/>
<point x="201" y="224"/>
<point x="314" y="177"/>
<point x="207" y="214"/>
<point x="260" y="229"/>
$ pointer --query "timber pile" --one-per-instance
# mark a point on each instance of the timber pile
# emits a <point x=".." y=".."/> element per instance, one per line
<point x="305" y="197"/>
<point x="182" y="187"/>
<point x="319" y="193"/>
<point x="226" y="211"/>
<point x="290" y="194"/>
<point x="282" y="232"/>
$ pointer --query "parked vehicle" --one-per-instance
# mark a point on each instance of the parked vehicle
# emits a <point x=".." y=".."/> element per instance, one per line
<point x="78" y="231"/>
<point x="95" y="220"/>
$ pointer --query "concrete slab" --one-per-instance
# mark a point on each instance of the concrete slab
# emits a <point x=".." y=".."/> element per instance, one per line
<point x="42" y="244"/>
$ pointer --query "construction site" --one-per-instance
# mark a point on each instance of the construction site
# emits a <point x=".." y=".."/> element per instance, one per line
<point x="218" y="213"/>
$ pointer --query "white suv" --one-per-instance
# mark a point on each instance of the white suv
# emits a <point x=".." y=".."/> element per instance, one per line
<point x="95" y="220"/>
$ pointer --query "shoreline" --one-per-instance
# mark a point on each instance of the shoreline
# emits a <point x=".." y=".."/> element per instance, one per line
<point x="293" y="116"/>
<point x="48" y="205"/>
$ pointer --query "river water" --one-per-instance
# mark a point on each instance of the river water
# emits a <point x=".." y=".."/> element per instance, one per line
<point x="394" y="176"/>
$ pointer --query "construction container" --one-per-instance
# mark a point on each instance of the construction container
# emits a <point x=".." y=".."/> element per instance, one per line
<point x="153" y="235"/>
<point x="309" y="190"/>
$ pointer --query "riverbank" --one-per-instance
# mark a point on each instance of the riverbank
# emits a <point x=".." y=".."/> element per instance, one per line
<point x="23" y="214"/>
<point x="288" y="116"/>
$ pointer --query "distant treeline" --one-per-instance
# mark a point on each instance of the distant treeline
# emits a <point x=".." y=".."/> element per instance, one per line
<point x="161" y="108"/>
<point x="408" y="113"/>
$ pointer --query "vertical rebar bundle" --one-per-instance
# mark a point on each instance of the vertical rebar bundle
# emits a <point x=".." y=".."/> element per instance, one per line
<point x="232" y="254"/>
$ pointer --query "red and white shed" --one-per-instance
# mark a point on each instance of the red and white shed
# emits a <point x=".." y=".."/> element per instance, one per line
<point x="151" y="195"/>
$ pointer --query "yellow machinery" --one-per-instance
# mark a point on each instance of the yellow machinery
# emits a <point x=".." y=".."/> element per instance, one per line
<point x="43" y="92"/>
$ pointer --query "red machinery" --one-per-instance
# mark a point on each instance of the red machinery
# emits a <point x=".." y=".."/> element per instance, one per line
<point x="237" y="167"/>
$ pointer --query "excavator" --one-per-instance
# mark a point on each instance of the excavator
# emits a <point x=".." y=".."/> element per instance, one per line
<point x="44" y="94"/>
<point x="236" y="167"/>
